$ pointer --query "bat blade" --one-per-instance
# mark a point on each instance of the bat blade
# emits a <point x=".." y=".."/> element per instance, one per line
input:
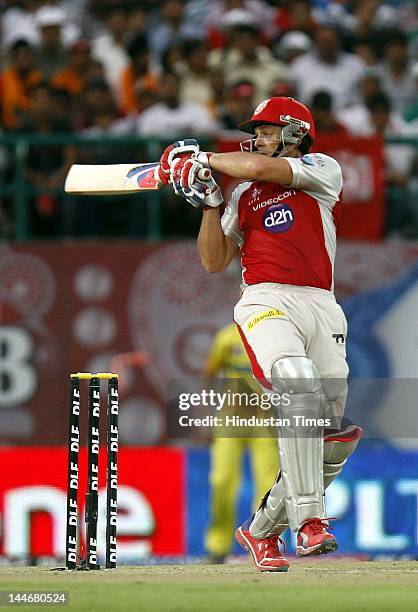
<point x="85" y="179"/>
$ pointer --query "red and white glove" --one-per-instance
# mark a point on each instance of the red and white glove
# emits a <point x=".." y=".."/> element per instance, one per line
<point x="195" y="183"/>
<point x="181" y="149"/>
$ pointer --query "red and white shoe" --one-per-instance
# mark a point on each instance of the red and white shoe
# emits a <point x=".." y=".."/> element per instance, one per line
<point x="265" y="553"/>
<point x="314" y="539"/>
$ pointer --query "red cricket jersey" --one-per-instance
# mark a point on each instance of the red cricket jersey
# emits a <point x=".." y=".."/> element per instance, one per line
<point x="287" y="235"/>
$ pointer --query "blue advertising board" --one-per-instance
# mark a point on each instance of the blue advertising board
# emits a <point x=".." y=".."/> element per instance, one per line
<point x="375" y="501"/>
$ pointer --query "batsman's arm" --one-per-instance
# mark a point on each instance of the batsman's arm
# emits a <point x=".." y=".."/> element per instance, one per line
<point x="250" y="167"/>
<point x="216" y="250"/>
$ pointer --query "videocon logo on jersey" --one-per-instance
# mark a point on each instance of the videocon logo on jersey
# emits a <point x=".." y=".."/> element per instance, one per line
<point x="278" y="218"/>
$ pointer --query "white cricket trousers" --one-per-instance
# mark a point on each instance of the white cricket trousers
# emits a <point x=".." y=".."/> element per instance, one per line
<point x="277" y="321"/>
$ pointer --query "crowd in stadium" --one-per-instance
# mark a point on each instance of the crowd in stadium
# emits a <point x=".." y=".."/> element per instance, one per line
<point x="184" y="67"/>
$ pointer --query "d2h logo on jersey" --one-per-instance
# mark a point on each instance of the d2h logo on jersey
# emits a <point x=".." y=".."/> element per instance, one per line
<point x="278" y="218"/>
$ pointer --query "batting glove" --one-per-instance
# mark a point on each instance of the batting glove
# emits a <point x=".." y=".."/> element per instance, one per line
<point x="162" y="171"/>
<point x="195" y="183"/>
<point x="179" y="149"/>
<point x="184" y="148"/>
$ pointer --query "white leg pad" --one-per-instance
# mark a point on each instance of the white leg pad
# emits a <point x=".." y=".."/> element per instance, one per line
<point x="301" y="445"/>
<point x="271" y="517"/>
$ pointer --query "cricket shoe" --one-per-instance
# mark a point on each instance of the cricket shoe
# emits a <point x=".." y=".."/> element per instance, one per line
<point x="265" y="553"/>
<point x="314" y="539"/>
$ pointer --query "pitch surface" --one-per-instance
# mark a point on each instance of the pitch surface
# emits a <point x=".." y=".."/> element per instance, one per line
<point x="320" y="585"/>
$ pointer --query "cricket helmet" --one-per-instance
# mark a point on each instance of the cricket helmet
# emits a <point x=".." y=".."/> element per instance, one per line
<point x="284" y="111"/>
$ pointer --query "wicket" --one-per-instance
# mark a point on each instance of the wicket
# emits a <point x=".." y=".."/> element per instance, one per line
<point x="91" y="513"/>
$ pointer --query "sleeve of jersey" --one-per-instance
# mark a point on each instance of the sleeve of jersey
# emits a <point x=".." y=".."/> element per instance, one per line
<point x="229" y="221"/>
<point x="317" y="173"/>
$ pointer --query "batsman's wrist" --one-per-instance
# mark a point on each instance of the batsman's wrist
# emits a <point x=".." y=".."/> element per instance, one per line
<point x="203" y="158"/>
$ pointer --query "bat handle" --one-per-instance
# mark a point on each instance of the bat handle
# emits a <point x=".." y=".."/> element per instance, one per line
<point x="204" y="174"/>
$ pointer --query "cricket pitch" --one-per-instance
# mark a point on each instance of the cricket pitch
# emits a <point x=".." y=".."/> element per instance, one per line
<point x="321" y="585"/>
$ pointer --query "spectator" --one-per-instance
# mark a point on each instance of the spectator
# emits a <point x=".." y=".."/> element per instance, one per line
<point x="247" y="60"/>
<point x="52" y="56"/>
<point x="86" y="216"/>
<point x="136" y="75"/>
<point x="41" y="116"/>
<point x="137" y="18"/>
<point x="47" y="165"/>
<point x="170" y="117"/>
<point x="17" y="23"/>
<point x="411" y="112"/>
<point x="293" y="44"/>
<point x="255" y="12"/>
<point x="217" y="79"/>
<point x="80" y="14"/>
<point x="196" y="83"/>
<point x="6" y="225"/>
<point x="400" y="163"/>
<point x="395" y="72"/>
<point x="323" y="114"/>
<point x="239" y="104"/>
<point x="96" y="99"/>
<point x="172" y="59"/>
<point x="408" y="17"/>
<point x="108" y="48"/>
<point x="6" y="217"/>
<point x="370" y="84"/>
<point x="63" y="107"/>
<point x="107" y="122"/>
<point x="18" y="78"/>
<point x="282" y="88"/>
<point x="366" y="50"/>
<point x="197" y="14"/>
<point x="295" y="15"/>
<point x="328" y="68"/>
<point x="356" y="116"/>
<point x="146" y="98"/>
<point x="365" y="28"/>
<point x="385" y="121"/>
<point x="400" y="159"/>
<point x="80" y="70"/>
<point x="369" y="17"/>
<point x="172" y="27"/>
<point x="73" y="16"/>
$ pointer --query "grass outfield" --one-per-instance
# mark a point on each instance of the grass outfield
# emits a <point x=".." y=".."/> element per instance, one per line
<point x="309" y="586"/>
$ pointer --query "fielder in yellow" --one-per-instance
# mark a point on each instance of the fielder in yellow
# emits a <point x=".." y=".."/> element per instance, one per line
<point x="228" y="359"/>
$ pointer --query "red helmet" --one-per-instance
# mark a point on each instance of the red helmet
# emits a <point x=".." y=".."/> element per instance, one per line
<point x="281" y="111"/>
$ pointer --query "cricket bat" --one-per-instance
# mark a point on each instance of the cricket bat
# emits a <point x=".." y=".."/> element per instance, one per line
<point x="108" y="179"/>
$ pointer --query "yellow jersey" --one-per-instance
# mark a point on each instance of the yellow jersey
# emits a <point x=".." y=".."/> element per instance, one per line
<point x="228" y="361"/>
<point x="227" y="357"/>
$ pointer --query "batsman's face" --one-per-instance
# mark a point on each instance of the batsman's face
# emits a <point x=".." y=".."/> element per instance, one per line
<point x="267" y="138"/>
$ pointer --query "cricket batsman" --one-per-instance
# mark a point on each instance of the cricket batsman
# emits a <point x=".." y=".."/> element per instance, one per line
<point x="282" y="219"/>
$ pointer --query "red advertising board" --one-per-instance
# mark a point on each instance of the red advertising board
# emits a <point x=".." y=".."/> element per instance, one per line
<point x="364" y="206"/>
<point x="151" y="496"/>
